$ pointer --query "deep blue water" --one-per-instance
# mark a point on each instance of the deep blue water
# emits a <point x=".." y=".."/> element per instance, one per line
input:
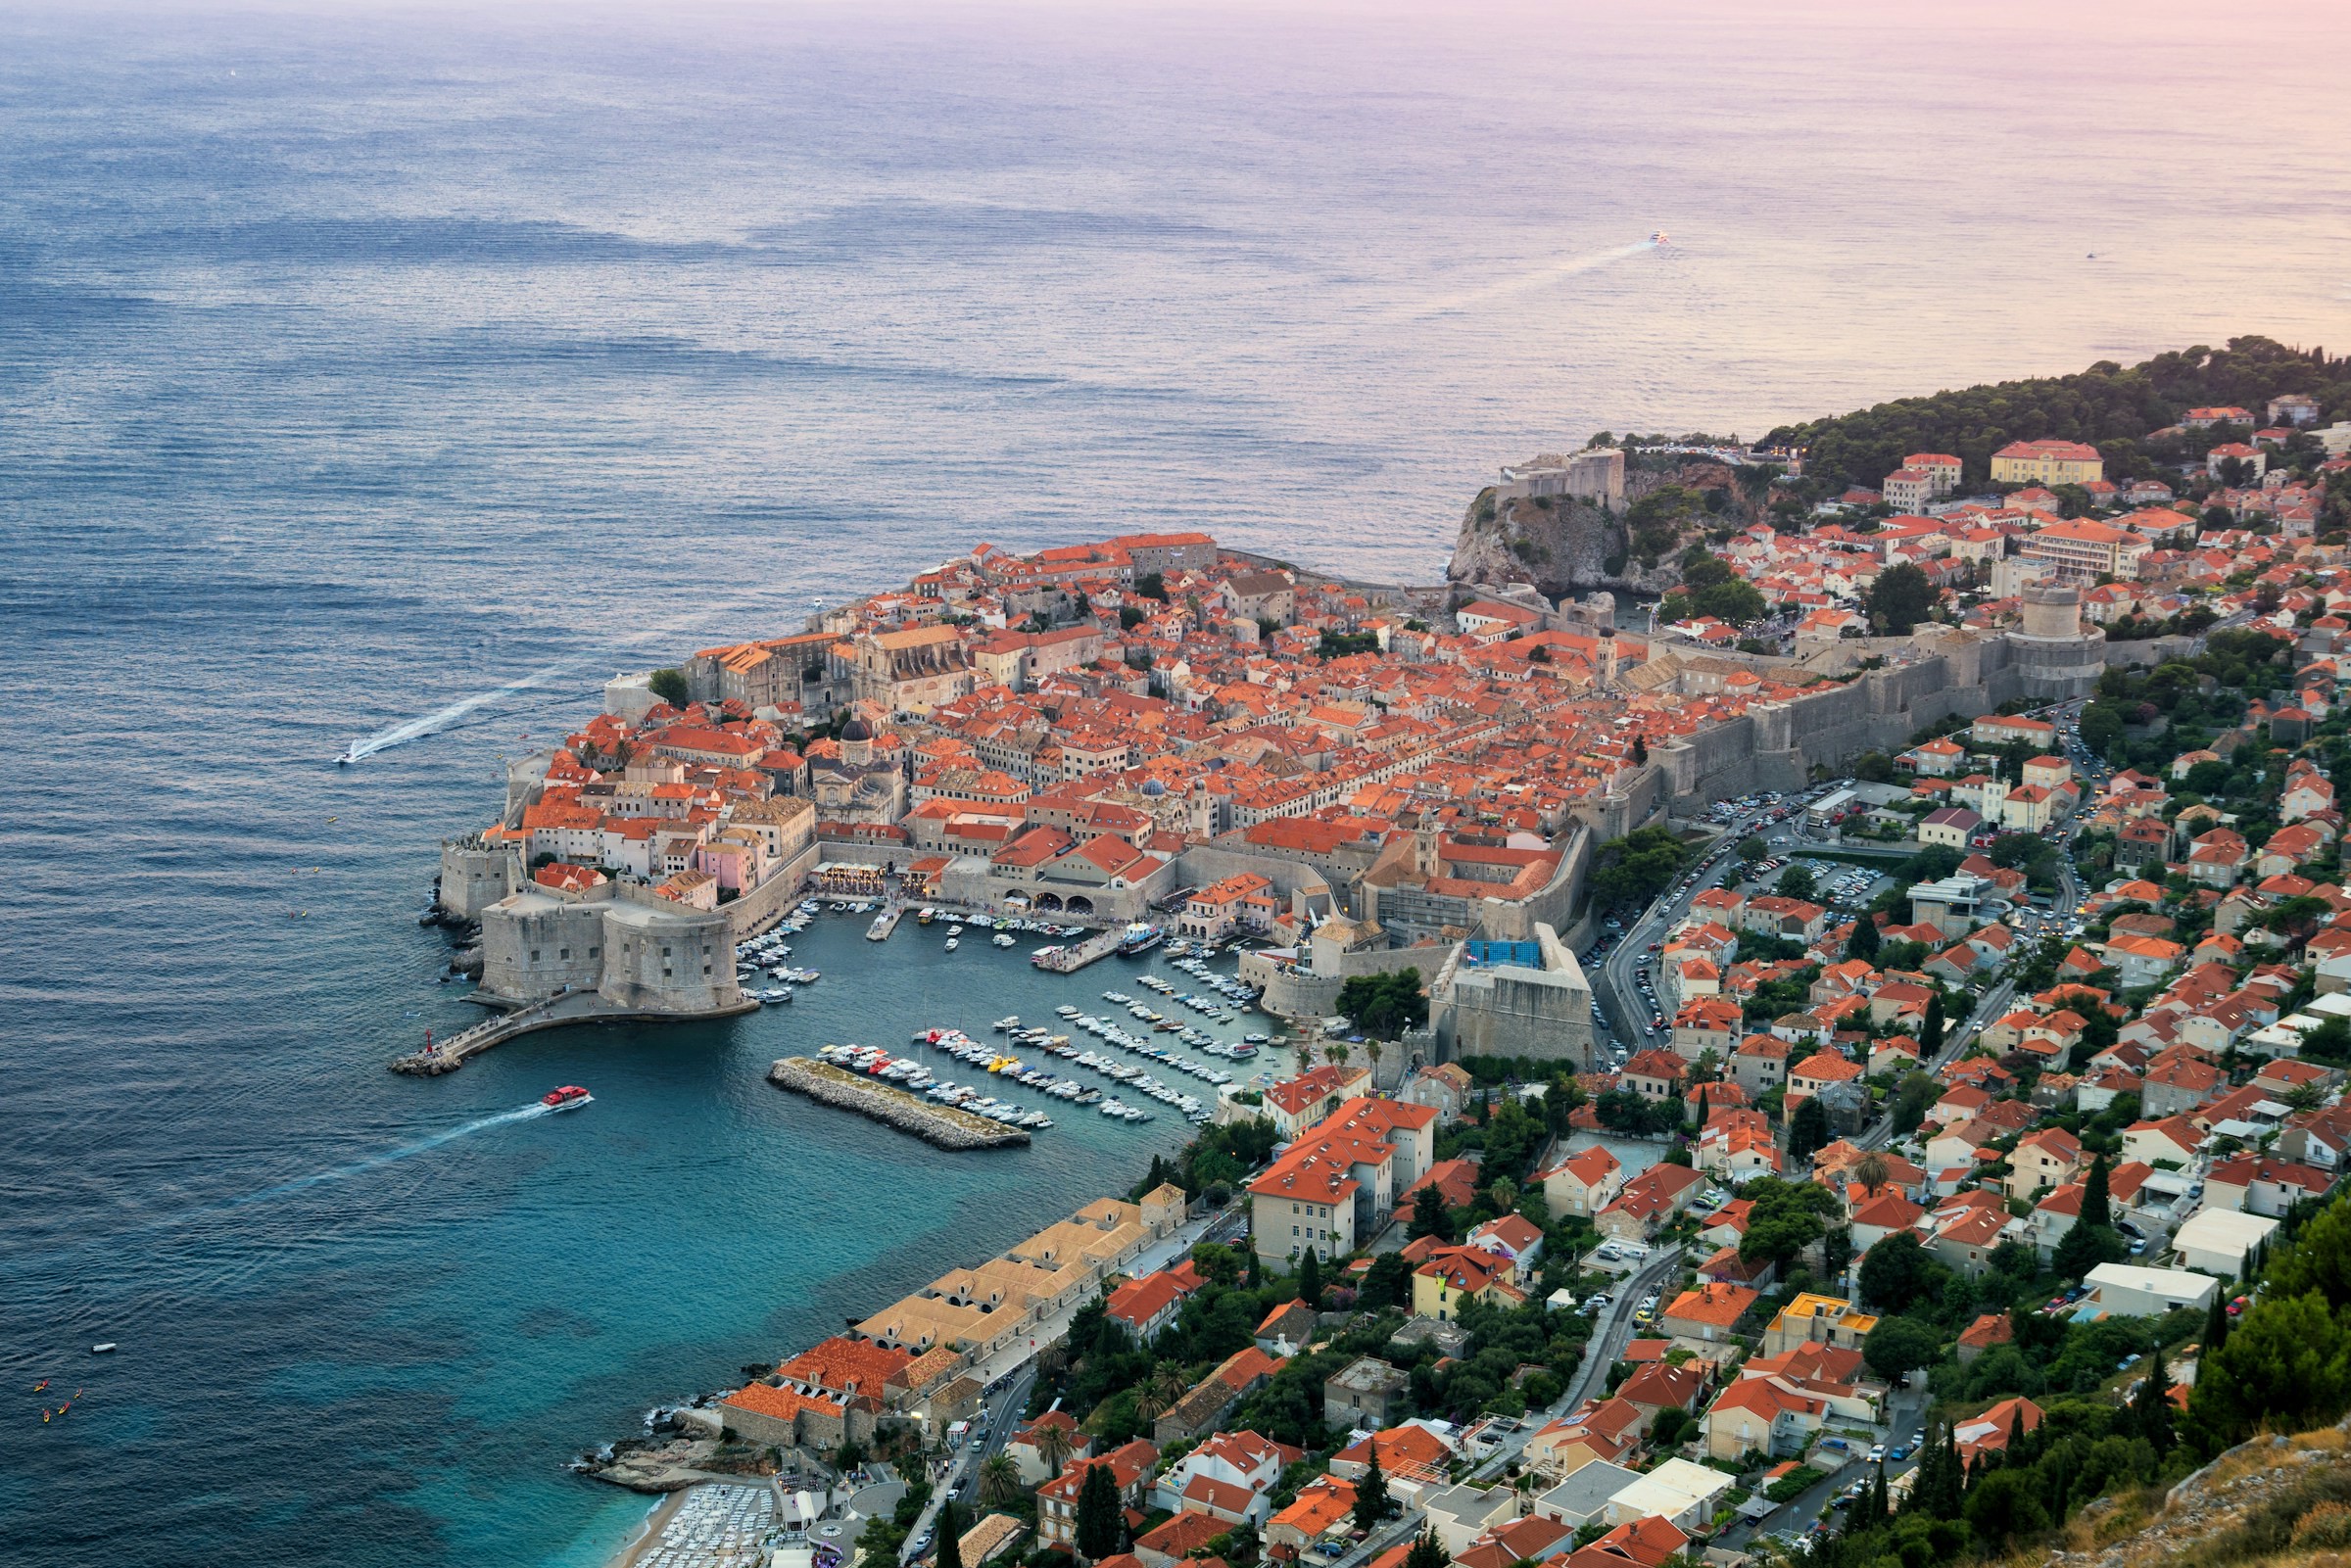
<point x="412" y="370"/>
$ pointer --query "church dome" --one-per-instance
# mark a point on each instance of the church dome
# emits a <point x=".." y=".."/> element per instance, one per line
<point x="1153" y="789"/>
<point x="856" y="730"/>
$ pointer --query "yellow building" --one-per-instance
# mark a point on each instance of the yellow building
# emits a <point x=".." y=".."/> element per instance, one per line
<point x="1817" y="1319"/>
<point x="2046" y="463"/>
<point x="1455" y="1274"/>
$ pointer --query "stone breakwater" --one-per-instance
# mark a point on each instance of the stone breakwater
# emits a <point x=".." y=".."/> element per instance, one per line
<point x="940" y="1125"/>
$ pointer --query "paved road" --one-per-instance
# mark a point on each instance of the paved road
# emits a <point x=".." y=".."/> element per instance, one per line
<point x="1616" y="987"/>
<point x="1608" y="1337"/>
<point x="1612" y="1332"/>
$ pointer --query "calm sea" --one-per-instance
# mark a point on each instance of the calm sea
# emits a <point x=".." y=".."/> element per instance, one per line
<point x="405" y="372"/>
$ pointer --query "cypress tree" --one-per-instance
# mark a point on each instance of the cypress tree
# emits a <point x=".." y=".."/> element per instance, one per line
<point x="1371" y="1495"/>
<point x="1950" y="1477"/>
<point x="1702" y="1110"/>
<point x="2151" y="1408"/>
<point x="1930" y="1036"/>
<point x="1310" y="1279"/>
<point x="950" y="1536"/>
<point x="2097" y="1209"/>
<point x="1863" y="943"/>
<point x="1426" y="1553"/>
<point x="1101" y="1522"/>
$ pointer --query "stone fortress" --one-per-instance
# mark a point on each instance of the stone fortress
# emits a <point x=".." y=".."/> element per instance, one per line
<point x="639" y="953"/>
<point x="1774" y="746"/>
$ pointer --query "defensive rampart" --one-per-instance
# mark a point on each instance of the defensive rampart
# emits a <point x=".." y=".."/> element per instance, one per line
<point x="1774" y="746"/>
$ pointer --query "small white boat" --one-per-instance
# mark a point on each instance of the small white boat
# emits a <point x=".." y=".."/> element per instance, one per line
<point x="952" y="944"/>
<point x="102" y="1347"/>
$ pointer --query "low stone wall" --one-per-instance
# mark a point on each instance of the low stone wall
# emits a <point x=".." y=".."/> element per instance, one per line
<point x="942" y="1126"/>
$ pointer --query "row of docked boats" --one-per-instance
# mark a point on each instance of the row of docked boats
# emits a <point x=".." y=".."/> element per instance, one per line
<point x="988" y="1059"/>
<point x="910" y="1075"/>
<point x="1138" y="1079"/>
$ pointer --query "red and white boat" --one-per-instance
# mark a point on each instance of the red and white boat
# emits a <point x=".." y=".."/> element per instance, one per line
<point x="570" y="1097"/>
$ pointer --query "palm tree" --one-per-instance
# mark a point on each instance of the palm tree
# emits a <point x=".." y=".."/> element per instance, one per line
<point x="1336" y="1052"/>
<point x="1157" y="1393"/>
<point x="1169" y="1383"/>
<point x="1870" y="1171"/>
<point x="1148" y="1404"/>
<point x="999" y="1479"/>
<point x="1371" y="1048"/>
<point x="1054" y="1445"/>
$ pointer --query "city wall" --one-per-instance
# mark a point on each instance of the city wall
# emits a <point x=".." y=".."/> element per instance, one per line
<point x="1775" y="745"/>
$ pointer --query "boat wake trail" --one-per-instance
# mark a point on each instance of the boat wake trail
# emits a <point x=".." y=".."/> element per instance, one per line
<point x="441" y="719"/>
<point x="1454" y="304"/>
<point x="359" y="1167"/>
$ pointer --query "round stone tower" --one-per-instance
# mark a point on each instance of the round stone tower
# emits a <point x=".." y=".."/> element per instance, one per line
<point x="2050" y="656"/>
<point x="2052" y="611"/>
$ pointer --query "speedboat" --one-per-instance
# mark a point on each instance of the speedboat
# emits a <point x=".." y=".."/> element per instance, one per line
<point x="952" y="944"/>
<point x="570" y="1097"/>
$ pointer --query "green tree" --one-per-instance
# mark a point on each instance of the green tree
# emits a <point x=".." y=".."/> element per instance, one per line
<point x="2097" y="1204"/>
<point x="1785" y="1218"/>
<point x="1797" y="881"/>
<point x="1371" y="1503"/>
<point x="1753" y="849"/>
<point x="1310" y="1278"/>
<point x="1384" y="1006"/>
<point x="1430" y="1217"/>
<point x="2151" y="1405"/>
<point x="1637" y="867"/>
<point x="1427" y="1552"/>
<point x="2006" y="1504"/>
<point x="670" y="687"/>
<point x="1387" y="1283"/>
<point x="1898" y="1273"/>
<point x="1129" y="617"/>
<point x="1152" y="585"/>
<point x="1808" y="1131"/>
<point x="1101" y="1521"/>
<point x="2284" y="1363"/>
<point x="2083" y="1248"/>
<point x="1898" y="1346"/>
<point x="1900" y="599"/>
<point x="1930" y="1034"/>
<point x="1863" y="943"/>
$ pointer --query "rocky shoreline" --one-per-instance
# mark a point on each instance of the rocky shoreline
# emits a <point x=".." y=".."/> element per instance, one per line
<point x="942" y="1126"/>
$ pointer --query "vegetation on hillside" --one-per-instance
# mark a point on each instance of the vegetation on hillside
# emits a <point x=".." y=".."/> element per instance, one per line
<point x="2106" y="406"/>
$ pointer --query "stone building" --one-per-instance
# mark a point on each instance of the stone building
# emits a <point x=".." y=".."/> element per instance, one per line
<point x="1495" y="998"/>
<point x="637" y="951"/>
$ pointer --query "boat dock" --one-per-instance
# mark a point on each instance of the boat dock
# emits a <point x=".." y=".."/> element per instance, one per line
<point x="572" y="1007"/>
<point x="885" y="923"/>
<point x="940" y="1125"/>
<point x="1070" y="960"/>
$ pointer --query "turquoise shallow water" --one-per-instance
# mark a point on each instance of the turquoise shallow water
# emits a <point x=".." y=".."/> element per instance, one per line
<point x="406" y="371"/>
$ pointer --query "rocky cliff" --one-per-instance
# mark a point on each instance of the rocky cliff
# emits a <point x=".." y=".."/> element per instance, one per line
<point x="2282" y="1501"/>
<point x="1568" y="547"/>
